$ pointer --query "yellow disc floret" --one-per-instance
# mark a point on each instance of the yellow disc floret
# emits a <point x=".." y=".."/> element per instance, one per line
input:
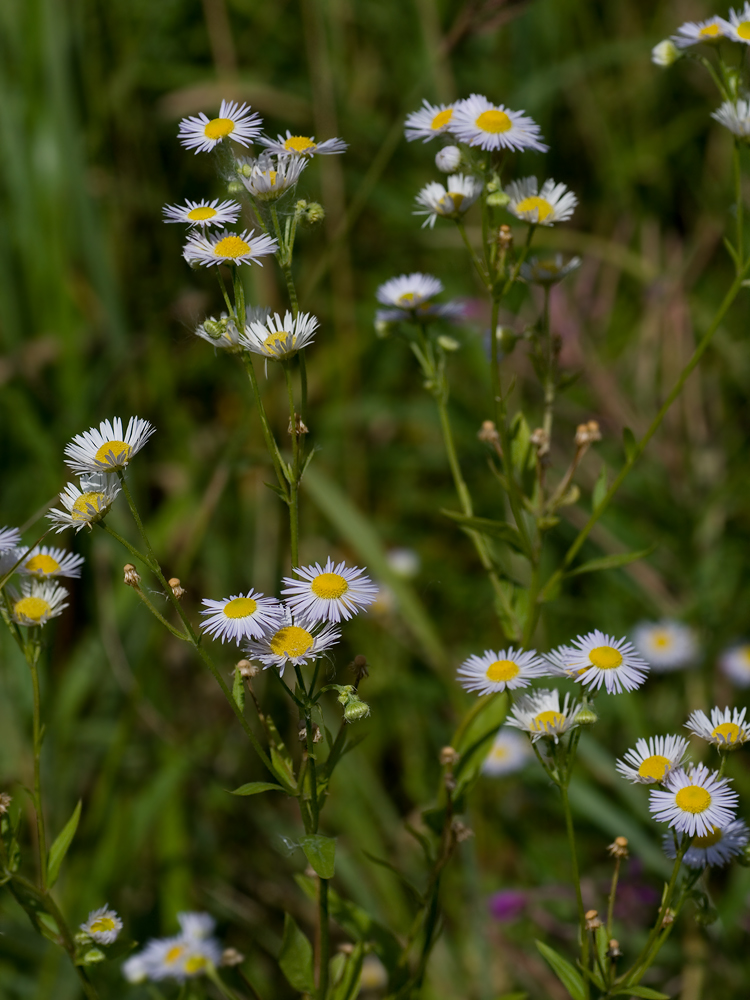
<point x="605" y="657"/>
<point x="103" y="924"/>
<point x="662" y="640"/>
<point x="217" y="128"/>
<point x="113" y="453"/>
<point x="240" y="607"/>
<point x="543" y="207"/>
<point x="201" y="213"/>
<point x="502" y="670"/>
<point x="276" y="342"/>
<point x="32" y="609"/>
<point x="728" y="732"/>
<point x="195" y="964"/>
<point x="693" y="799"/>
<point x="231" y="247"/>
<point x="708" y="839"/>
<point x="291" y="641"/>
<point x="494" y="121"/>
<point x="654" y="767"/>
<point x="329" y="586"/>
<point x="174" y="954"/>
<point x="86" y="506"/>
<point x="710" y="31"/>
<point x="743" y="30"/>
<point x="547" y="722"/>
<point x="441" y="119"/>
<point x="43" y="564"/>
<point x="300" y="144"/>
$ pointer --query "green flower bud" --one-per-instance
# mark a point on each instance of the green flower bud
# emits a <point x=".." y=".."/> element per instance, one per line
<point x="93" y="957"/>
<point x="214" y="328"/>
<point x="234" y="188"/>
<point x="497" y="199"/>
<point x="315" y="213"/>
<point x="448" y="343"/>
<point x="246" y="170"/>
<point x="356" y="710"/>
<point x="587" y="716"/>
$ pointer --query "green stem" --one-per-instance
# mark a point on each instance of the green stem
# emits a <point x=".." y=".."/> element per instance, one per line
<point x="739" y="206"/>
<point x="324" y="949"/>
<point x="37" y="738"/>
<point x="126" y="544"/>
<point x="577" y="883"/>
<point x="472" y="253"/>
<point x="612" y="894"/>
<point x="521" y="258"/>
<point x="219" y="983"/>
<point x="303" y="386"/>
<point x="159" y="617"/>
<point x="294" y="484"/>
<point x="273" y="449"/>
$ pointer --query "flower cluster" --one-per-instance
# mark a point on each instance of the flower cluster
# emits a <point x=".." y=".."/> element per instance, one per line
<point x="192" y="953"/>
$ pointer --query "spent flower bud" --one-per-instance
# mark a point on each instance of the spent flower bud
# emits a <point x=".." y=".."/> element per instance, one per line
<point x="449" y="756"/>
<point x="587" y="434"/>
<point x="246" y="669"/>
<point x="130" y="575"/>
<point x="5" y="801"/>
<point x="177" y="590"/>
<point x="613" y="949"/>
<point x="488" y="433"/>
<point x="593" y="922"/>
<point x="230" y="957"/>
<point x="619" y="848"/>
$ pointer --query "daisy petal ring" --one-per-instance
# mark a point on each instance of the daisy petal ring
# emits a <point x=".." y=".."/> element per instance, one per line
<point x="227" y="247"/>
<point x="601" y="659"/>
<point x="714" y="849"/>
<point x="652" y="760"/>
<point x="694" y="802"/>
<point x="478" y="122"/>
<point x="429" y="121"/>
<point x="727" y="730"/>
<point x="539" y="714"/>
<point x="506" y="670"/>
<point x="554" y="203"/>
<point x="302" y="145"/>
<point x="203" y="213"/>
<point x="242" y="616"/>
<point x="107" y="448"/>
<point x="235" y="121"/>
<point x="330" y="592"/>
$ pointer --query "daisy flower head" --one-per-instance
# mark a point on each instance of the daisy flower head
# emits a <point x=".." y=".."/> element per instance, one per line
<point x="221" y="332"/>
<point x="107" y="448"/>
<point x="429" y="121"/>
<point x="714" y="849"/>
<point x="180" y="957"/>
<point x="737" y="28"/>
<point x="735" y="663"/>
<point x="9" y="538"/>
<point x="44" y="562"/>
<point x="236" y="121"/>
<point x="540" y="714"/>
<point x="509" y="753"/>
<point x="695" y="32"/>
<point x="666" y="645"/>
<point x="560" y="663"/>
<point x="279" y="339"/>
<point x="448" y="159"/>
<point x="329" y="593"/>
<point x="548" y="270"/>
<point x="302" y="145"/>
<point x="727" y="730"/>
<point x="653" y="759"/>
<point x="665" y="53"/>
<point x="504" y="671"/>
<point x="409" y="291"/>
<point x="449" y="202"/>
<point x="601" y="659"/>
<point x="85" y="505"/>
<point x="478" y="122"/>
<point x="37" y="602"/>
<point x="103" y="925"/>
<point x="228" y="248"/>
<point x="196" y="926"/>
<point x="134" y="969"/>
<point x="267" y="178"/>
<point x="203" y="213"/>
<point x="694" y="801"/>
<point x="735" y="115"/>
<point x="554" y="203"/>
<point x="242" y="616"/>
<point x="297" y="644"/>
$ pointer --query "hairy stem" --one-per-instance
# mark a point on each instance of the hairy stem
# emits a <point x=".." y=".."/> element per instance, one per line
<point x="577" y="884"/>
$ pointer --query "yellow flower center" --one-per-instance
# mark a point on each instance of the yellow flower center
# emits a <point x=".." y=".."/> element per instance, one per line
<point x="407" y="299"/>
<point x="80" y="510"/>
<point x="502" y="670"/>
<point x="500" y="753"/>
<point x="451" y="202"/>
<point x="745" y="654"/>
<point x="654" y="767"/>
<point x="43" y="564"/>
<point x="708" y="839"/>
<point x="494" y="121"/>
<point x="174" y="954"/>
<point x="542" y="206"/>
<point x="300" y="144"/>
<point x="277" y="341"/>
<point x="441" y="119"/>
<point x="103" y="924"/>
<point x="605" y="658"/>
<point x="291" y="641"/>
<point x="329" y="586"/>
<point x="728" y="732"/>
<point x="693" y="799"/>
<point x="662" y="640"/>
<point x="113" y="453"/>
<point x="545" y="722"/>
<point x="240" y="607"/>
<point x="709" y="31"/>
<point x="195" y="964"/>
<point x="272" y="175"/>
<point x="201" y="213"/>
<point x="232" y="247"/>
<point x="743" y="29"/>
<point x="217" y="128"/>
<point x="32" y="608"/>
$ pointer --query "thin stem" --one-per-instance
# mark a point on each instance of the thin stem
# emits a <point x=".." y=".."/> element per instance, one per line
<point x="521" y="258"/>
<point x="273" y="449"/>
<point x="32" y="657"/>
<point x="612" y="894"/>
<point x="225" y="293"/>
<point x="472" y="253"/>
<point x="302" y="386"/>
<point x="495" y="363"/>
<point x="126" y="544"/>
<point x="294" y="484"/>
<point x="739" y="263"/>
<point x="159" y="617"/>
<point x="577" y="883"/>
<point x="219" y="983"/>
<point x="249" y="984"/>
<point x="324" y="938"/>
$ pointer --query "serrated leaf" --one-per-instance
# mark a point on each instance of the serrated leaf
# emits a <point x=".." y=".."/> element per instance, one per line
<point x="565" y="972"/>
<point x="238" y="691"/>
<point x="486" y="526"/>
<point x="296" y="958"/>
<point x="600" y="489"/>
<point x="629" y="442"/>
<point x="256" y="787"/>
<point x="641" y="991"/>
<point x="60" y="847"/>
<point x="611" y="562"/>
<point x="320" y="851"/>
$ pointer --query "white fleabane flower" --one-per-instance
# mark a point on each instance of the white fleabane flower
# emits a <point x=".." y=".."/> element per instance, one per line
<point x="694" y="802"/>
<point x="449" y="202"/>
<point x="267" y="178"/>
<point x="539" y="714"/>
<point x="737" y="28"/>
<point x="85" y="505"/>
<point x="45" y="562"/>
<point x="235" y="121"/>
<point x="448" y="159"/>
<point x="665" y="53"/>
<point x="714" y="849"/>
<point x="302" y="145"/>
<point x="221" y="332"/>
<point x="602" y="659"/>
<point x="509" y="753"/>
<point x="180" y="957"/>
<point x="694" y="32"/>
<point x="429" y="121"/>
<point x="727" y="729"/>
<point x="509" y="669"/>
<point x="37" y="602"/>
<point x="203" y="213"/>
<point x="409" y="291"/>
<point x="560" y="662"/>
<point x="735" y="115"/>
<point x="103" y="925"/>
<point x="106" y="448"/>
<point x="242" y="616"/>
<point x="735" y="663"/>
<point x="134" y="969"/>
<point x="478" y="122"/>
<point x="548" y="270"/>
<point x="293" y="644"/>
<point x="666" y="645"/>
<point x="554" y="203"/>
<point x="328" y="593"/>
<point x="9" y="538"/>
<point x="228" y="248"/>
<point x="279" y="339"/>
<point x="653" y="759"/>
<point x="196" y="926"/>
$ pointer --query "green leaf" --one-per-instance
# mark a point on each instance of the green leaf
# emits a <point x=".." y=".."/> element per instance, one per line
<point x="520" y="444"/>
<point x="628" y="440"/>
<point x="346" y="985"/>
<point x="641" y="991"/>
<point x="281" y="759"/>
<point x="514" y="996"/>
<point x="486" y="526"/>
<point x="600" y="489"/>
<point x="60" y="847"/>
<point x="296" y="958"/>
<point x="408" y="886"/>
<point x="238" y="691"/>
<point x="611" y="562"/>
<point x="321" y="853"/>
<point x="568" y="976"/>
<point x="256" y="787"/>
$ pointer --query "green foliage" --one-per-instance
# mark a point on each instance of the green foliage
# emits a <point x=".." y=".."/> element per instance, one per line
<point x="296" y="958"/>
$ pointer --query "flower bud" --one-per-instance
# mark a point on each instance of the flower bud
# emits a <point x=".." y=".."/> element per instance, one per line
<point x="497" y="199"/>
<point x="665" y="53"/>
<point x="234" y="188"/>
<point x="246" y="669"/>
<point x="488" y="433"/>
<point x="448" y="159"/>
<point x="449" y="756"/>
<point x="5" y="801"/>
<point x="177" y="590"/>
<point x="314" y="213"/>
<point x="505" y="237"/>
<point x="130" y="575"/>
<point x="214" y="328"/>
<point x="384" y="328"/>
<point x="448" y="343"/>
<point x="356" y="710"/>
<point x="586" y="716"/>
<point x="230" y="957"/>
<point x="92" y="957"/>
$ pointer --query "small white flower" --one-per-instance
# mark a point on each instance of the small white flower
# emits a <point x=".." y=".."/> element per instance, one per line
<point x="329" y="593"/>
<point x="448" y="159"/>
<point x="726" y="729"/>
<point x="548" y="270"/>
<point x="509" y="753"/>
<point x="44" y="562"/>
<point x="279" y="339"/>
<point x="228" y="248"/>
<point x="737" y="28"/>
<point x="404" y="562"/>
<point x="665" y="53"/>
<point x="267" y="178"/>
<point x="507" y="670"/>
<point x="561" y="662"/>
<point x="539" y="714"/>
<point x="409" y="291"/>
<point x="693" y="32"/>
<point x="85" y="505"/>
<point x="242" y="616"/>
<point x="180" y="957"/>
<point x="449" y="202"/>
<point x="652" y="760"/>
<point x="221" y="332"/>
<point x="37" y="602"/>
<point x="134" y="969"/>
<point x="478" y="122"/>
<point x="666" y="645"/>
<point x="235" y="121"/>
<point x="302" y="145"/>
<point x="196" y="926"/>
<point x="293" y="644"/>
<point x="9" y="538"/>
<point x="429" y="121"/>
<point x="554" y="203"/>
<point x="107" y="448"/>
<point x="203" y="213"/>
<point x="103" y="925"/>
<point x="601" y="659"/>
<point x="694" y="802"/>
<point x="714" y="849"/>
<point x="735" y="116"/>
<point x="735" y="663"/>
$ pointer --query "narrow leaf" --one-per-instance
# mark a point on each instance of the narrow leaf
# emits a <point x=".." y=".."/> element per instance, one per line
<point x="641" y="991"/>
<point x="611" y="562"/>
<point x="238" y="691"/>
<point x="60" y="847"/>
<point x="600" y="489"/>
<point x="486" y="526"/>
<point x="256" y="787"/>
<point x="568" y="976"/>
<point x="321" y="853"/>
<point x="629" y="442"/>
<point x="296" y="958"/>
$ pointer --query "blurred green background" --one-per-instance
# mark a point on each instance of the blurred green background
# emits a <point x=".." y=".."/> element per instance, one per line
<point x="97" y="310"/>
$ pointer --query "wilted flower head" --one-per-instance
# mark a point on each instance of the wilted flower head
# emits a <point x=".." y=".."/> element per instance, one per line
<point x="548" y="270"/>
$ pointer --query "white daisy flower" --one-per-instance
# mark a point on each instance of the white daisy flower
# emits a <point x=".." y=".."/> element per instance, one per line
<point x="329" y="593"/>
<point x="737" y="28"/>
<point x="694" y="802"/>
<point x="107" y="448"/>
<point x="452" y="311"/>
<point x="37" y="603"/>
<point x="134" y="969"/>
<point x="267" y="178"/>
<point x="652" y="760"/>
<point x="694" y="32"/>
<point x="203" y="213"/>
<point x="548" y="270"/>
<point x="727" y="729"/>
<point x="103" y="925"/>
<point x="735" y="663"/>
<point x="87" y="504"/>
<point x="404" y="562"/>
<point x="429" y="121"/>
<point x="409" y="291"/>
<point x="449" y="202"/>
<point x="560" y="663"/>
<point x="665" y="53"/>
<point x="235" y="121"/>
<point x="293" y="644"/>
<point x="735" y="115"/>
<point x="228" y="248"/>
<point x="302" y="145"/>
<point x="44" y="562"/>
<point x="666" y="645"/>
<point x="196" y="926"/>
<point x="279" y="339"/>
<point x="539" y="714"/>
<point x="221" y="332"/>
<point x="180" y="957"/>
<point x="448" y="159"/>
<point x="554" y="203"/>
<point x="242" y="616"/>
<point x="510" y="752"/>
<point x="478" y="122"/>
<point x="9" y="538"/>
<point x="601" y="659"/>
<point x="504" y="671"/>
<point x="714" y="849"/>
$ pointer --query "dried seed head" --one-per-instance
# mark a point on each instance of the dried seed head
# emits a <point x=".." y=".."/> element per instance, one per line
<point x="360" y="667"/>
<point x="540" y="439"/>
<point x="301" y="426"/>
<point x="177" y="590"/>
<point x="317" y="735"/>
<point x="346" y="948"/>
<point x="504" y="237"/>
<point x="5" y="801"/>
<point x="619" y="848"/>
<point x="592" y="920"/>
<point x="613" y="949"/>
<point x="669" y="916"/>
<point x="230" y="957"/>
<point x="461" y="831"/>
<point x="488" y="433"/>
<point x="586" y="434"/>
<point x="130" y="575"/>
<point x="247" y="669"/>
<point x="449" y="756"/>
